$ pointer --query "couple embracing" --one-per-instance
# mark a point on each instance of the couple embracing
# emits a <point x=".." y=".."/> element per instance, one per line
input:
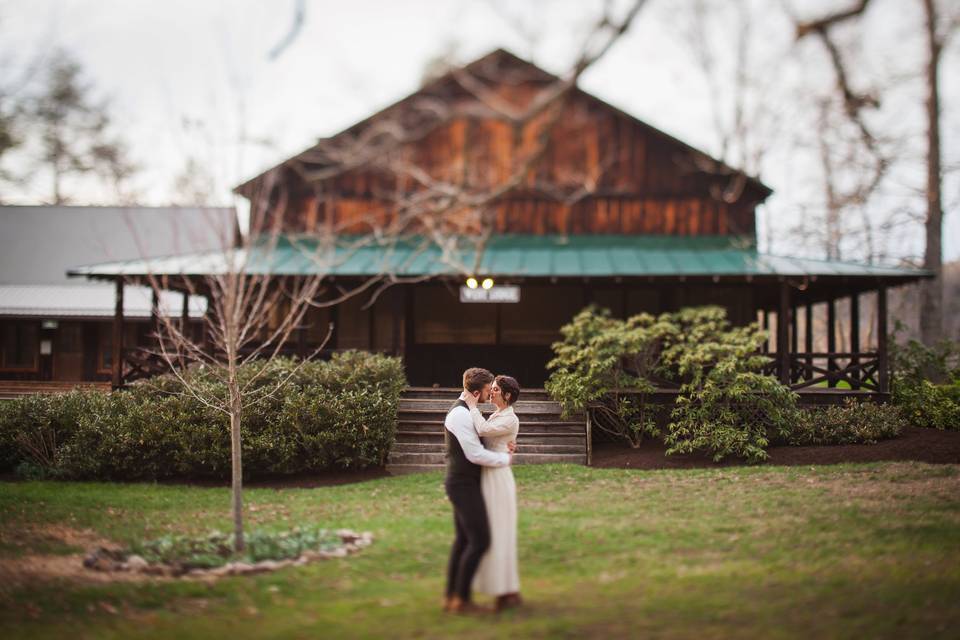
<point x="480" y="485"/>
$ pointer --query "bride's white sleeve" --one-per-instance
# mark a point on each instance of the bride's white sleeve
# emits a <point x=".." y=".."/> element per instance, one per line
<point x="496" y="426"/>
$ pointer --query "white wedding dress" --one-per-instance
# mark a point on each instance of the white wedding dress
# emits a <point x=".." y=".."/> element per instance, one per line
<point x="498" y="573"/>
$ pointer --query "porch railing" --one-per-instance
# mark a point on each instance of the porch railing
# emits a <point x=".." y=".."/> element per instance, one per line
<point x="858" y="370"/>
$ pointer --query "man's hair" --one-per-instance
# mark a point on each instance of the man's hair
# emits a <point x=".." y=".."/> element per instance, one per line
<point x="475" y="379"/>
<point x="509" y="386"/>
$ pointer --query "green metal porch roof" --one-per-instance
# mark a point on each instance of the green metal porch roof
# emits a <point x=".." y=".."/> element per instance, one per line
<point x="517" y="256"/>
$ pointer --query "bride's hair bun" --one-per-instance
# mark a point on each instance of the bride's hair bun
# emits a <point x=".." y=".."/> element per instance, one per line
<point x="509" y="386"/>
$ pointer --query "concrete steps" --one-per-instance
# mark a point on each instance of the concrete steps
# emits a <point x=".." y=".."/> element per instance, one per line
<point x="545" y="435"/>
<point x="430" y="447"/>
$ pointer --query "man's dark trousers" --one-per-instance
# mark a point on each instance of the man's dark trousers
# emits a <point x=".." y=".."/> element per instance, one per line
<point x="469" y="517"/>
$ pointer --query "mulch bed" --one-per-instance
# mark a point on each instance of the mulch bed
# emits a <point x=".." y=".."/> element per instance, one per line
<point x="921" y="445"/>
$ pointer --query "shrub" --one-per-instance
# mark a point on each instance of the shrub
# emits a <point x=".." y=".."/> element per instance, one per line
<point x="731" y="413"/>
<point x="33" y="428"/>
<point x="926" y="385"/>
<point x="606" y="366"/>
<point x="335" y="414"/>
<point x="914" y="361"/>
<point x="725" y="406"/>
<point x="929" y="405"/>
<point x="120" y="436"/>
<point x="852" y="423"/>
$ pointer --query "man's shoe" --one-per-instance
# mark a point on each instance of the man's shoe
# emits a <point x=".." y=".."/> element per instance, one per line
<point x="462" y="607"/>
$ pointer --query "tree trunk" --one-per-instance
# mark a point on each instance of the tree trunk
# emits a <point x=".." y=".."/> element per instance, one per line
<point x="931" y="291"/>
<point x="235" y="459"/>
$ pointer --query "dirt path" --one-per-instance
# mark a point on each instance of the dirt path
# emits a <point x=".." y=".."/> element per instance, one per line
<point x="18" y="572"/>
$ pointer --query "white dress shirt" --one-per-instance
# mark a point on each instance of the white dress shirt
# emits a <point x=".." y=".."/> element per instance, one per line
<point x="460" y="424"/>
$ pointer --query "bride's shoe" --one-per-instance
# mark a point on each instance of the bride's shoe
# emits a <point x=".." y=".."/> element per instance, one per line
<point x="509" y="601"/>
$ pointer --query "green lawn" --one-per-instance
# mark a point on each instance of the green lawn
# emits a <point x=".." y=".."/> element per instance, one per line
<point x="854" y="551"/>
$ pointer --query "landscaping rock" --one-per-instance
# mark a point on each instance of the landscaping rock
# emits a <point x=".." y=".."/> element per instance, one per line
<point x="238" y="568"/>
<point x="136" y="563"/>
<point x="104" y="559"/>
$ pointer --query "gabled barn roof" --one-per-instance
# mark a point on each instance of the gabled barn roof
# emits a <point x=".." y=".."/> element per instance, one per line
<point x="496" y="62"/>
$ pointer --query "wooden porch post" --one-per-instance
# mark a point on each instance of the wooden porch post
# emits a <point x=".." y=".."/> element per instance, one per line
<point x="185" y="316"/>
<point x="155" y="314"/>
<point x="765" y="323"/>
<point x="808" y="338"/>
<point x="206" y="339"/>
<point x="883" y="378"/>
<point x="783" y="329"/>
<point x="794" y="333"/>
<point x="185" y="312"/>
<point x="855" y="338"/>
<point x="831" y="341"/>
<point x="116" y="364"/>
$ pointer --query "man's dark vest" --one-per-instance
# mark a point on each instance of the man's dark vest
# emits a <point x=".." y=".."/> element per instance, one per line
<point x="458" y="467"/>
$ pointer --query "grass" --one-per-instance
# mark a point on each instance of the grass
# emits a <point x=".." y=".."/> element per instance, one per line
<point x="841" y="384"/>
<point x="774" y="552"/>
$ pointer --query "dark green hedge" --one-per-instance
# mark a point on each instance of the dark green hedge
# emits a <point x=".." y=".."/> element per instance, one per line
<point x="337" y="414"/>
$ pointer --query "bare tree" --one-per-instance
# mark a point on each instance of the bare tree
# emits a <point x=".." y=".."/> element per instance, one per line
<point x="936" y="33"/>
<point x="194" y="185"/>
<point x="741" y="68"/>
<point x="73" y="132"/>
<point x="253" y="310"/>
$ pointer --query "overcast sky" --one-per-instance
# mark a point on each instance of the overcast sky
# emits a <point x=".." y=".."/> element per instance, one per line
<point x="195" y="77"/>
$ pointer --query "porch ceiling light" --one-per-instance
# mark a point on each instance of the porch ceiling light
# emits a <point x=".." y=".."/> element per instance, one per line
<point x="472" y="282"/>
<point x="487" y="283"/>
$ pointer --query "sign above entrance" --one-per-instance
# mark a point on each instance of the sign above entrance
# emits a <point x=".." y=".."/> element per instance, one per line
<point x="493" y="294"/>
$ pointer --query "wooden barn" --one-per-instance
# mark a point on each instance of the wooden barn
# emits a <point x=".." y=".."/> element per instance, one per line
<point x="573" y="202"/>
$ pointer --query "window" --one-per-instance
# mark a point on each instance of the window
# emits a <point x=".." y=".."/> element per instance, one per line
<point x="20" y="345"/>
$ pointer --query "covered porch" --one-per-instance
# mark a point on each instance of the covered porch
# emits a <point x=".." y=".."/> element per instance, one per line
<point x="438" y="334"/>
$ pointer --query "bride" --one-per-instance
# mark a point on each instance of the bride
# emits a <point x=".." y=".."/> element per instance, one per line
<point x="498" y="575"/>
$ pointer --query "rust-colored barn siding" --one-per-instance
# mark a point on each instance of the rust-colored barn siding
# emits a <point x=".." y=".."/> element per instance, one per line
<point x="602" y="172"/>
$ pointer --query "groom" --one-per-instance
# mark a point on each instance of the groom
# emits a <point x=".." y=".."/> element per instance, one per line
<point x="465" y="456"/>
